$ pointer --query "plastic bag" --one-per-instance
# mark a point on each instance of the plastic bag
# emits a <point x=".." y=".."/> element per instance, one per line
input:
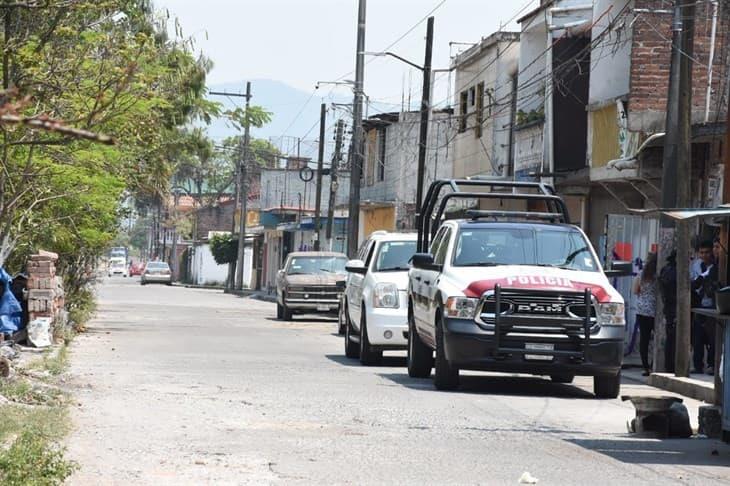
<point x="11" y="314"/>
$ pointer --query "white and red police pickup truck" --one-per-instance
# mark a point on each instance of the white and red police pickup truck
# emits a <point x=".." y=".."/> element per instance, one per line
<point x="515" y="290"/>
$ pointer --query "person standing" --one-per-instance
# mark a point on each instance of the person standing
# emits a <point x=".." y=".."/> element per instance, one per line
<point x="645" y="287"/>
<point x="704" y="287"/>
<point x="668" y="290"/>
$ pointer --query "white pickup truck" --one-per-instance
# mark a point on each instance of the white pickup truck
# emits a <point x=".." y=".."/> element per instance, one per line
<point x="517" y="290"/>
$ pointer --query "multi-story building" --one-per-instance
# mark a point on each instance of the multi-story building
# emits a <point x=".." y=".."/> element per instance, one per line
<point x="390" y="170"/>
<point x="485" y="86"/>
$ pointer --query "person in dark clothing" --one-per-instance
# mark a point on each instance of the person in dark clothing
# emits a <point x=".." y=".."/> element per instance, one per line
<point x="704" y="287"/>
<point x="668" y="291"/>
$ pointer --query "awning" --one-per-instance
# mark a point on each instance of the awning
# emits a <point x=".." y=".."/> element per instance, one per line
<point x="687" y="214"/>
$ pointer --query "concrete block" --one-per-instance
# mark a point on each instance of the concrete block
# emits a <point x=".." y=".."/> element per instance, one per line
<point x="44" y="256"/>
<point x="41" y="294"/>
<point x="688" y="387"/>
<point x="710" y="421"/>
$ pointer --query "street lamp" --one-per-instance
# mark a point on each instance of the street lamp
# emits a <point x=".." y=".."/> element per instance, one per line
<point x="425" y="109"/>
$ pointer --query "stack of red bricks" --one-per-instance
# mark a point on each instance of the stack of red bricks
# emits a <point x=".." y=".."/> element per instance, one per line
<point x="44" y="297"/>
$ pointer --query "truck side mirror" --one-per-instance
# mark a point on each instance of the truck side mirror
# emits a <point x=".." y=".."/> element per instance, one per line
<point x="423" y="261"/>
<point x="356" y="266"/>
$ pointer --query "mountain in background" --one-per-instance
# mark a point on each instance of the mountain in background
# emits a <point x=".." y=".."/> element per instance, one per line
<point x="285" y="102"/>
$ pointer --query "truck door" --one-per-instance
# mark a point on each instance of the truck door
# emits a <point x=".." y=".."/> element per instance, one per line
<point x="354" y="297"/>
<point x="421" y="282"/>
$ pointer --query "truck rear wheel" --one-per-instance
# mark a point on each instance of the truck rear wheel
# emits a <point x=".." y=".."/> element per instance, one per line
<point x="420" y="356"/>
<point x="446" y="375"/>
<point x="607" y="386"/>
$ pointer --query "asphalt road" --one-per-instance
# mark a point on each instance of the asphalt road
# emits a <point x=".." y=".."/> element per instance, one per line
<point x="181" y="386"/>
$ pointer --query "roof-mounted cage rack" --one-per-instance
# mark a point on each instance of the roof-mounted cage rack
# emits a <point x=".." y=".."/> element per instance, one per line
<point x="555" y="209"/>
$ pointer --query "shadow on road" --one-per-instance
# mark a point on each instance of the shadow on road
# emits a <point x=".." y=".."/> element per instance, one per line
<point x="697" y="452"/>
<point x="386" y="362"/>
<point x="305" y="319"/>
<point x="498" y="385"/>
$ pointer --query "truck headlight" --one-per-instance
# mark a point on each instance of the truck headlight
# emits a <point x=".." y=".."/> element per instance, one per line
<point x="611" y="314"/>
<point x="461" y="307"/>
<point x="386" y="296"/>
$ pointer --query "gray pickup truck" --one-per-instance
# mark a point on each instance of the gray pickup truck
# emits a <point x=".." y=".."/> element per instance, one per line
<point x="310" y="282"/>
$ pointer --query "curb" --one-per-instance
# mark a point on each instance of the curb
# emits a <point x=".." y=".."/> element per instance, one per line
<point x="688" y="387"/>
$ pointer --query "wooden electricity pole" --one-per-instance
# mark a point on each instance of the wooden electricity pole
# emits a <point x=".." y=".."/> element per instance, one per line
<point x="339" y="132"/>
<point x="320" y="167"/>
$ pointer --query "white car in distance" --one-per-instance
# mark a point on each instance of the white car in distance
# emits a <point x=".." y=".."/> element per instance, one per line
<point x="375" y="305"/>
<point x="118" y="266"/>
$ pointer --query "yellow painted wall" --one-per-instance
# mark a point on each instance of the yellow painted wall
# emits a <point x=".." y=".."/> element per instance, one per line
<point x="252" y="218"/>
<point x="378" y="219"/>
<point x="605" y="143"/>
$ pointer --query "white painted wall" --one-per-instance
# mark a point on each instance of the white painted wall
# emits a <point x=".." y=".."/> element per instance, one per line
<point x="611" y="58"/>
<point x="207" y="272"/>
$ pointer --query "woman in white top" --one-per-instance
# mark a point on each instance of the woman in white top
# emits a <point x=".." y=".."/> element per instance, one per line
<point x="645" y="289"/>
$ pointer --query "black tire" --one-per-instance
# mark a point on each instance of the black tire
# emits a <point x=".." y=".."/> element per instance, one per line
<point x="562" y="378"/>
<point x="279" y="311"/>
<point x="341" y="320"/>
<point x="420" y="356"/>
<point x="143" y="283"/>
<point x="352" y="349"/>
<point x="286" y="314"/>
<point x="368" y="355"/>
<point x="607" y="386"/>
<point x="446" y="375"/>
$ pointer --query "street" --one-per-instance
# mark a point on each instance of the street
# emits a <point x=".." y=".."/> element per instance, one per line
<point x="185" y="386"/>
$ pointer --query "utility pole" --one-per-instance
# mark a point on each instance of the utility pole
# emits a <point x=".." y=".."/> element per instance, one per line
<point x="684" y="174"/>
<point x="423" y="136"/>
<point x="240" y="173"/>
<point x="242" y="183"/>
<point x="333" y="181"/>
<point x="357" y="135"/>
<point x="676" y="188"/>
<point x="723" y="273"/>
<point x="320" y="164"/>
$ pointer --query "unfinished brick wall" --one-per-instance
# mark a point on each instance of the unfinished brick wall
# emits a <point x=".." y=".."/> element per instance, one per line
<point x="45" y="289"/>
<point x="650" y="64"/>
<point x="214" y="219"/>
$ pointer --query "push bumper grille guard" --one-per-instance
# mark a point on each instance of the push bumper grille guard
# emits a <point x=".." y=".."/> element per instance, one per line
<point x="500" y="320"/>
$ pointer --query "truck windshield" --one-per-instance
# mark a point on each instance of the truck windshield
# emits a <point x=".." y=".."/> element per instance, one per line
<point x="314" y="265"/>
<point x="393" y="256"/>
<point x="536" y="246"/>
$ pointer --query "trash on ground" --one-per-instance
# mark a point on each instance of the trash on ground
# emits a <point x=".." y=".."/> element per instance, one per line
<point x="527" y="478"/>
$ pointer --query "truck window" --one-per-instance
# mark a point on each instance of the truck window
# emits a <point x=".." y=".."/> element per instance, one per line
<point x="524" y="246"/>
<point x="440" y="255"/>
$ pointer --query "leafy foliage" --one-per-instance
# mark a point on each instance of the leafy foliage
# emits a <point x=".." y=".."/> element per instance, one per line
<point x="224" y="248"/>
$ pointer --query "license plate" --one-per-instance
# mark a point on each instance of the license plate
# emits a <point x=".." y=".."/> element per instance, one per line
<point x="539" y="347"/>
<point x="323" y="308"/>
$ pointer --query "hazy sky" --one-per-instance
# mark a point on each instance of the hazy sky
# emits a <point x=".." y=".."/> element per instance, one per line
<point x="301" y="42"/>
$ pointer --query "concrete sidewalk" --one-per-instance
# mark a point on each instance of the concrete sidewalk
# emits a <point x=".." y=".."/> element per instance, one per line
<point x="698" y="387"/>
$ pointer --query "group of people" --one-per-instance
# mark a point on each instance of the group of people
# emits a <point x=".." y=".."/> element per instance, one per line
<point x="648" y="286"/>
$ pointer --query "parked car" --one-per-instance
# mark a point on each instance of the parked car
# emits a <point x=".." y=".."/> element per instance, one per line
<point x="117" y="266"/>
<point x="136" y="269"/>
<point x="517" y="291"/>
<point x="375" y="314"/>
<point x="157" y="272"/>
<point x="310" y="282"/>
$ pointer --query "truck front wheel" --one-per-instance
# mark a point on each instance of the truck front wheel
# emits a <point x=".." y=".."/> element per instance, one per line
<point x="446" y="375"/>
<point x="420" y="356"/>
